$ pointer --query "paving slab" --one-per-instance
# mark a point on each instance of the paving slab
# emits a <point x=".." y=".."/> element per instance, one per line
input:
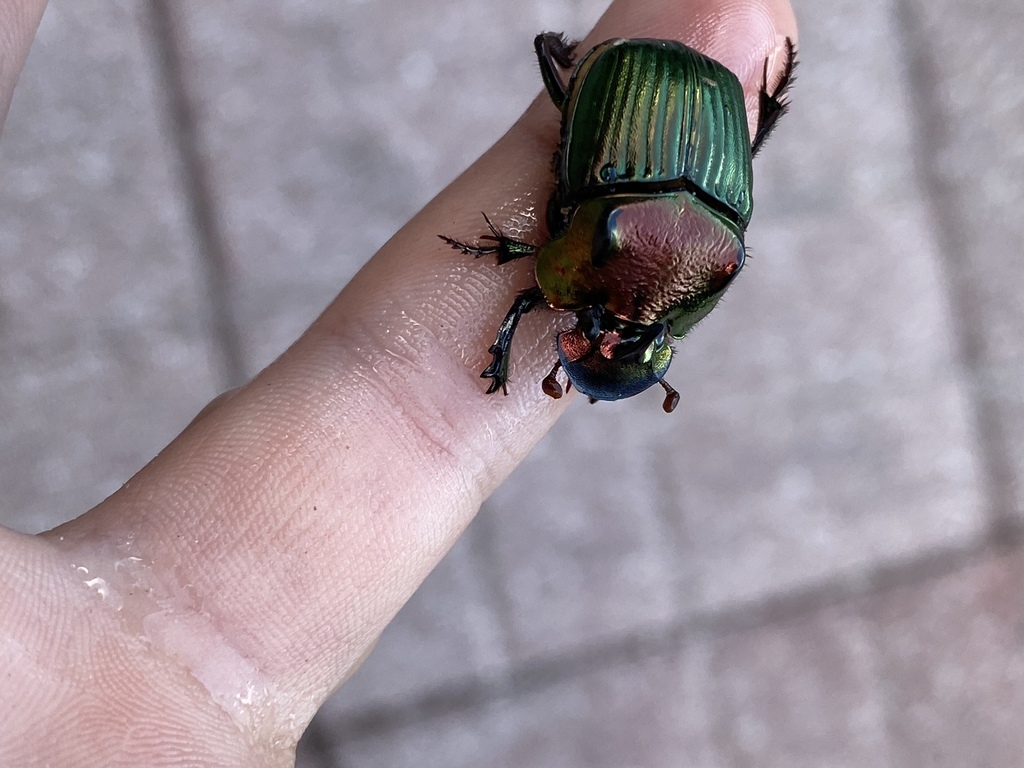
<point x="969" y="70"/>
<point x="803" y="692"/>
<point x="648" y="713"/>
<point x="577" y="534"/>
<point x="951" y="667"/>
<point x="930" y="673"/>
<point x="103" y="347"/>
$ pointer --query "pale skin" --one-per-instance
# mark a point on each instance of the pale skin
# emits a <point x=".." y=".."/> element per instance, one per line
<point x="202" y="614"/>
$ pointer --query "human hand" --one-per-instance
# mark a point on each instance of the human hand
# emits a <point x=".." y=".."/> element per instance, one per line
<point x="202" y="613"/>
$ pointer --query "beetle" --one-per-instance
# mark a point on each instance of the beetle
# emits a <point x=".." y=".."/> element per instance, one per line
<point x="652" y="199"/>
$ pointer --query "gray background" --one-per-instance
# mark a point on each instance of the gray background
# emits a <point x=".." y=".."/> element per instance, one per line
<point x="816" y="561"/>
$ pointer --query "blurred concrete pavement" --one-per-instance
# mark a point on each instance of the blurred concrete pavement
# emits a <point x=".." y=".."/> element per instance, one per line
<point x="816" y="561"/>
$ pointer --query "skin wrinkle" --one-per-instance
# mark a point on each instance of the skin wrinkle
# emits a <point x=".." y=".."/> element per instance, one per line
<point x="434" y="447"/>
<point x="417" y="407"/>
<point x="391" y="394"/>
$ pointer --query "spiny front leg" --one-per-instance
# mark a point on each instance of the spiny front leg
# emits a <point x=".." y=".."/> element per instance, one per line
<point x="554" y="51"/>
<point x="772" y="106"/>
<point x="497" y="371"/>
<point x="505" y="248"/>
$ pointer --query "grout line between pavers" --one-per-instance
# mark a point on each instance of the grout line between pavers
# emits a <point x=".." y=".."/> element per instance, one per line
<point x="542" y="673"/>
<point x="928" y="121"/>
<point x="213" y="250"/>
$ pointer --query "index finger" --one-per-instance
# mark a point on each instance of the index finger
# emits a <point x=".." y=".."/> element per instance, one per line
<point x="302" y="513"/>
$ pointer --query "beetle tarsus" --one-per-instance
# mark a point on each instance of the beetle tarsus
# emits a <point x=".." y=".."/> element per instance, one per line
<point x="497" y="371"/>
<point x="773" y="105"/>
<point x="554" y="51"/>
<point x="505" y="248"/>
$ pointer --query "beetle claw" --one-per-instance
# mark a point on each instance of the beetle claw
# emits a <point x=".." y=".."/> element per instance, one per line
<point x="495" y="385"/>
<point x="497" y="382"/>
<point x="497" y="371"/>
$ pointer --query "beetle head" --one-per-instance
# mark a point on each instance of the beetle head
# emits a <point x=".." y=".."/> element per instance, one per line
<point x="607" y="358"/>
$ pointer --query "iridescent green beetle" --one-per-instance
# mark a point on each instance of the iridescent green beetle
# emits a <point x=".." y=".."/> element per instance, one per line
<point x="653" y="196"/>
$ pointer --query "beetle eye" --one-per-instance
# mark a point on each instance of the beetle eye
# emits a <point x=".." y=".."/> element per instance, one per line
<point x="611" y="378"/>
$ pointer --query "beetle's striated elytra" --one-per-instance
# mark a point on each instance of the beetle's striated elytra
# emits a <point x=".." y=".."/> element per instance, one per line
<point x="652" y="199"/>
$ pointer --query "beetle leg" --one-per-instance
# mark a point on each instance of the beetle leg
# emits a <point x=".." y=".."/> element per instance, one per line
<point x="772" y="106"/>
<point x="505" y="248"/>
<point x="554" y="51"/>
<point x="497" y="371"/>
